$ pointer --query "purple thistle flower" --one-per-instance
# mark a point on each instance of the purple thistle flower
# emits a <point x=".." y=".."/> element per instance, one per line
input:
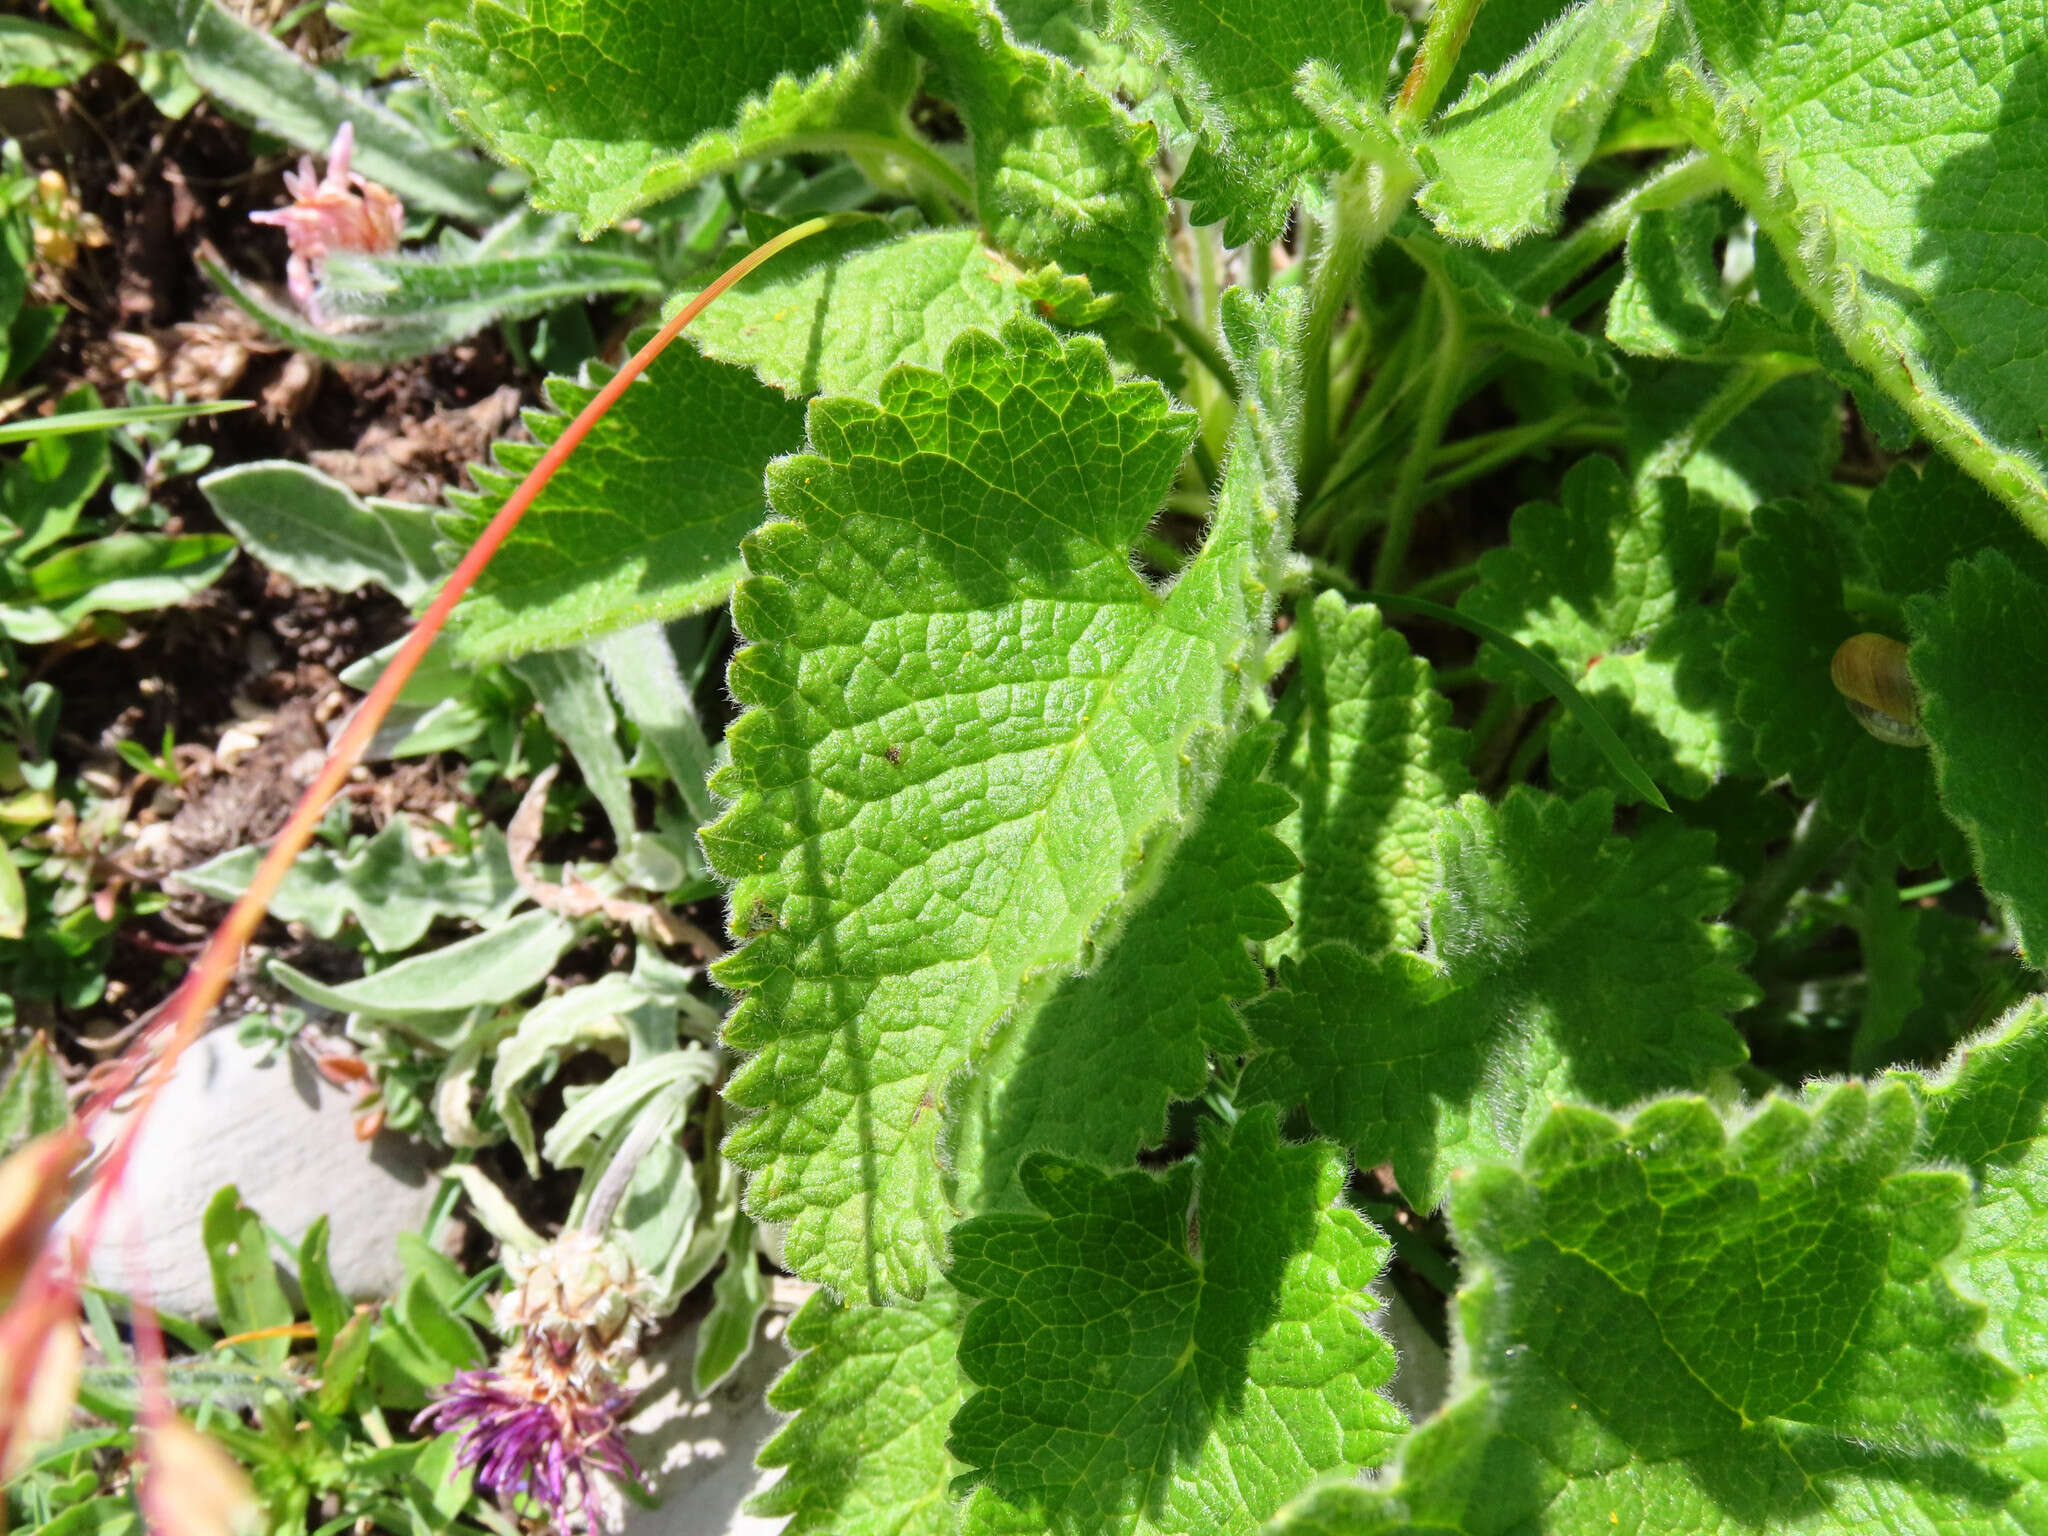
<point x="523" y="1444"/>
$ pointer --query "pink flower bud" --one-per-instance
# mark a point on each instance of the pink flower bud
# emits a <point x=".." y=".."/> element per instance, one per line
<point x="341" y="211"/>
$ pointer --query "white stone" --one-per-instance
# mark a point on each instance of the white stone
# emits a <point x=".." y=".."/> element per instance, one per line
<point x="284" y="1137"/>
<point x="698" y="1453"/>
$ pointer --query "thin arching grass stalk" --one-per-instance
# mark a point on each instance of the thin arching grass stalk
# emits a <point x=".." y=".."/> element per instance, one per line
<point x="146" y="1066"/>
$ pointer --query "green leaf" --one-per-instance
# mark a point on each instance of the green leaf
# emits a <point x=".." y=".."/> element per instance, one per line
<point x="931" y="814"/>
<point x="34" y="1101"/>
<point x="1675" y="299"/>
<point x="13" y="899"/>
<point x="424" y="990"/>
<point x="1150" y="1013"/>
<point x="1234" y="63"/>
<point x="1135" y="1382"/>
<point x="69" y="423"/>
<point x="1922" y="519"/>
<point x="872" y="1395"/>
<point x="125" y="572"/>
<point x="1608" y="1385"/>
<point x="43" y="491"/>
<point x="1500" y="160"/>
<point x="319" y="533"/>
<point x="1608" y="586"/>
<point x="303" y="104"/>
<point x="1564" y="962"/>
<point x="666" y="94"/>
<point x="1061" y="172"/>
<point x="1789" y="619"/>
<point x="738" y="1297"/>
<point x="549" y="1031"/>
<point x="393" y="893"/>
<point x="839" y="311"/>
<point x="1878" y="147"/>
<point x="1784" y="443"/>
<point x="326" y="1308"/>
<point x="344" y="1361"/>
<point x="1370" y="757"/>
<point x="245" y="1284"/>
<point x="643" y="522"/>
<point x="1980" y="654"/>
<point x="1984" y="1111"/>
<point x="33" y="54"/>
<point x="524" y="265"/>
<point x="383" y="29"/>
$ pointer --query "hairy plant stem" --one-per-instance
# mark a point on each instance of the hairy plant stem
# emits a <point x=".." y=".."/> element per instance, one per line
<point x="1450" y="23"/>
<point x="1746" y="382"/>
<point x="1367" y="200"/>
<point x="1437" y="405"/>
<point x="1578" y="425"/>
<point x="1668" y="186"/>
<point x="1816" y="842"/>
<point x="920" y="158"/>
<point x="1204" y="351"/>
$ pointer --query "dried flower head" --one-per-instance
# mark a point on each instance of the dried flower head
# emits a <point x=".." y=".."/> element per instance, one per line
<point x="544" y="1421"/>
<point x="341" y="211"/>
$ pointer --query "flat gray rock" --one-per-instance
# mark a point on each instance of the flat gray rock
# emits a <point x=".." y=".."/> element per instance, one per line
<point x="698" y="1453"/>
<point x="282" y="1135"/>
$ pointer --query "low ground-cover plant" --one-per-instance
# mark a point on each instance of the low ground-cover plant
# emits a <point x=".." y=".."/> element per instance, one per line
<point x="1122" y="905"/>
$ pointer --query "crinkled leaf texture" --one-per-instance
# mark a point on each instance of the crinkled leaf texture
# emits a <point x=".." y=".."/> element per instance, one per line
<point x="972" y="727"/>
<point x="1564" y="962"/>
<point x="835" y="314"/>
<point x="1061" y="172"/>
<point x="1370" y="758"/>
<point x="645" y="519"/>
<point x="1501" y="159"/>
<point x="1980" y="657"/>
<point x="873" y="1394"/>
<point x="1788" y="617"/>
<point x="1235" y="65"/>
<point x="1608" y="585"/>
<point x="1137" y="1379"/>
<point x="1895" y="153"/>
<point x="612" y="104"/>
<point x="1985" y="1112"/>
<point x="1681" y="1324"/>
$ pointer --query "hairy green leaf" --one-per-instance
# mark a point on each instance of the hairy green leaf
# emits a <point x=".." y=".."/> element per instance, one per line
<point x="424" y="991"/>
<point x="662" y="95"/>
<point x="1061" y="172"/>
<point x="644" y="522"/>
<point x="1370" y="758"/>
<point x="1885" y="150"/>
<point x="1608" y="1384"/>
<point x="1980" y="655"/>
<point x="1235" y="64"/>
<point x="1500" y="159"/>
<point x="1135" y="1380"/>
<point x="970" y="719"/>
<point x="1564" y="962"/>
<point x="872" y="1395"/>
<point x="837" y="313"/>
<point x="1788" y="615"/>
<point x="319" y="533"/>
<point x="393" y="893"/>
<point x="383" y="29"/>
<point x="1609" y="590"/>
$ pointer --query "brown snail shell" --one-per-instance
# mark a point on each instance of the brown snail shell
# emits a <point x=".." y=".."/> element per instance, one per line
<point x="1870" y="672"/>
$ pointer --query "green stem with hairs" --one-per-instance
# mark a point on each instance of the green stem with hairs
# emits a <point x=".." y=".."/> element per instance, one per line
<point x="1437" y="405"/>
<point x="1450" y="23"/>
<point x="1670" y="185"/>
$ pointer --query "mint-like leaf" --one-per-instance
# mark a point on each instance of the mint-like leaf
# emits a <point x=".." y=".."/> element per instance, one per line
<point x="1610" y="590"/>
<point x="873" y="1393"/>
<point x="835" y="314"/>
<point x="1371" y="758"/>
<point x="1788" y="617"/>
<point x="1564" y="961"/>
<point x="609" y="105"/>
<point x="1235" y="63"/>
<point x="970" y="718"/>
<point x="1609" y="1385"/>
<point x="643" y="522"/>
<point x="1985" y="1112"/>
<point x="1061" y="172"/>
<point x="1136" y="1378"/>
<point x="1150" y="1013"/>
<point x="1502" y="157"/>
<point x="1980" y="654"/>
<point x="1926" y="263"/>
